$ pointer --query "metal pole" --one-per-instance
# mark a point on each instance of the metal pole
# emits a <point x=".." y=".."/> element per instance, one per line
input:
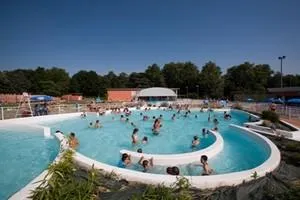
<point x="281" y="83"/>
<point x="2" y="113"/>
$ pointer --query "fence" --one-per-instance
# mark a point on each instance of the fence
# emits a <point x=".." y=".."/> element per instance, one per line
<point x="290" y="112"/>
<point x="10" y="112"/>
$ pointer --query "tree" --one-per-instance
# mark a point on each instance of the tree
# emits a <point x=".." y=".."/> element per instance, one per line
<point x="181" y="75"/>
<point x="154" y="74"/>
<point x="138" y="80"/>
<point x="211" y="81"/>
<point x="85" y="82"/>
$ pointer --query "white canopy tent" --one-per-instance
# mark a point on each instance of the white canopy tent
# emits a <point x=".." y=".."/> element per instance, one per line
<point x="157" y="94"/>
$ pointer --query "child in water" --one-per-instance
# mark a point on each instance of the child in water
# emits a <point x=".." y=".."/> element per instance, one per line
<point x="97" y="124"/>
<point x="73" y="142"/>
<point x="146" y="164"/>
<point x="145" y="140"/>
<point x="195" y="141"/>
<point x="134" y="136"/>
<point x="125" y="160"/>
<point x="206" y="169"/>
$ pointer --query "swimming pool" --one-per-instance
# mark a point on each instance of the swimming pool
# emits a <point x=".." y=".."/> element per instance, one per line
<point x="240" y="152"/>
<point x="24" y="155"/>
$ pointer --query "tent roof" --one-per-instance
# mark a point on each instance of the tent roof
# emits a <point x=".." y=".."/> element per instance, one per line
<point x="157" y="92"/>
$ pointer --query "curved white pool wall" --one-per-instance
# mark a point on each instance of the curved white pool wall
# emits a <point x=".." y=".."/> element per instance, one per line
<point x="183" y="158"/>
<point x="25" y="192"/>
<point x="211" y="181"/>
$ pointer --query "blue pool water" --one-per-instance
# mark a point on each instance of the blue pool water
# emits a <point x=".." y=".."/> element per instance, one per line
<point x="240" y="151"/>
<point x="23" y="157"/>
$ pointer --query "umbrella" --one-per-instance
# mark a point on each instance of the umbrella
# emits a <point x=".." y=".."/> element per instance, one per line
<point x="41" y="98"/>
<point x="294" y="100"/>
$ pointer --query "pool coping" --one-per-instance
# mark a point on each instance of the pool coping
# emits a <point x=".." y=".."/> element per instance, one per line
<point x="202" y="182"/>
<point x="182" y="158"/>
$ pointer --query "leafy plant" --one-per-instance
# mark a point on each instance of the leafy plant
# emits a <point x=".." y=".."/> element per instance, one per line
<point x="178" y="191"/>
<point x="254" y="175"/>
<point x="270" y="115"/>
<point x="63" y="184"/>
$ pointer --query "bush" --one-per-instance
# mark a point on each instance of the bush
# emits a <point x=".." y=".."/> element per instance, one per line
<point x="63" y="183"/>
<point x="270" y="115"/>
<point x="179" y="191"/>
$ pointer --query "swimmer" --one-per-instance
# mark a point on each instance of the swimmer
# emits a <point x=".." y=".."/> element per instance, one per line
<point x="160" y="116"/>
<point x="122" y="118"/>
<point x="134" y="136"/>
<point x="132" y="124"/>
<point x="139" y="150"/>
<point x="73" y="142"/>
<point x="127" y="120"/>
<point x="91" y="125"/>
<point x="125" y="160"/>
<point x="173" y="171"/>
<point x="146" y="164"/>
<point x="216" y="122"/>
<point x="195" y="141"/>
<point x="145" y="118"/>
<point x="153" y="117"/>
<point x="196" y="116"/>
<point x="145" y="140"/>
<point x="83" y="115"/>
<point x="206" y="169"/>
<point x="203" y="132"/>
<point x="173" y="117"/>
<point x="97" y="124"/>
<point x="209" y="118"/>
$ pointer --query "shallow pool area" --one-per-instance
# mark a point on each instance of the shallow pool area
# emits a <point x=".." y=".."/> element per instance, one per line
<point x="241" y="151"/>
<point x="24" y="155"/>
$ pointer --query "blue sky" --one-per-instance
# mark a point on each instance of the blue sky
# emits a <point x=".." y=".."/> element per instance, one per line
<point x="129" y="35"/>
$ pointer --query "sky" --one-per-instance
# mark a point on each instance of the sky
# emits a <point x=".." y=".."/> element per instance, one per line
<point x="129" y="35"/>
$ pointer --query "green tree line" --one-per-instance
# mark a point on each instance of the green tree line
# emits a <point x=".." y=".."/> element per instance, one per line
<point x="207" y="81"/>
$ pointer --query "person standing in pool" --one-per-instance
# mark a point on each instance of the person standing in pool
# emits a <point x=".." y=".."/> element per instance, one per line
<point x="125" y="160"/>
<point x="206" y="169"/>
<point x="134" y="136"/>
<point x="73" y="142"/>
<point x="195" y="141"/>
<point x="156" y="127"/>
<point x="146" y="164"/>
<point x="97" y="124"/>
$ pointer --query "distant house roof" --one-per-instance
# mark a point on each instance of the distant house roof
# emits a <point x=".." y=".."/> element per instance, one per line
<point x="157" y="92"/>
<point x="124" y="89"/>
<point x="284" y="89"/>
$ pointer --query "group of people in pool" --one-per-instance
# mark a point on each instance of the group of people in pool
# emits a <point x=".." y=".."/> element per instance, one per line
<point x="147" y="164"/>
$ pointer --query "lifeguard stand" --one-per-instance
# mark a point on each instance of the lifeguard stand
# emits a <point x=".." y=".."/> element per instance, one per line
<point x="24" y="108"/>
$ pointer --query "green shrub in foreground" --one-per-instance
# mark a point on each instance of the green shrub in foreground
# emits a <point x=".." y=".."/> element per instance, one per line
<point x="63" y="183"/>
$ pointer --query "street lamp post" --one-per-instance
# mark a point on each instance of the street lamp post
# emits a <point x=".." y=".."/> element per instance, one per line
<point x="281" y="58"/>
<point x="197" y="91"/>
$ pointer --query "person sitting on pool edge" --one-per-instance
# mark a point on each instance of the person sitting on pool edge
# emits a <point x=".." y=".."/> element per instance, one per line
<point x="173" y="171"/>
<point x="195" y="141"/>
<point x="73" y="142"/>
<point x="125" y="160"/>
<point x="134" y="136"/>
<point x="146" y="164"/>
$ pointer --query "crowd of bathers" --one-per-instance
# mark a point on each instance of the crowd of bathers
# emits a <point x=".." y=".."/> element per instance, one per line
<point x="181" y="111"/>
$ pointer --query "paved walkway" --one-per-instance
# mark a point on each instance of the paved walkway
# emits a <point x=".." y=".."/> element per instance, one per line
<point x="295" y="122"/>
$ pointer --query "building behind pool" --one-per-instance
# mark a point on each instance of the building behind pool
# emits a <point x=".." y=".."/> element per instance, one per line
<point x="146" y="94"/>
